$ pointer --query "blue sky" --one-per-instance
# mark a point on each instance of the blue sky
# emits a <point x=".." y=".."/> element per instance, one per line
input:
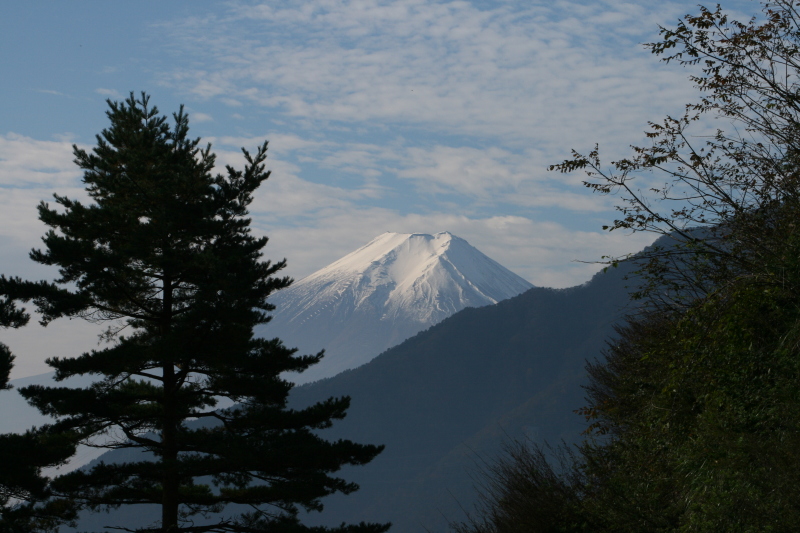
<point x="408" y="116"/>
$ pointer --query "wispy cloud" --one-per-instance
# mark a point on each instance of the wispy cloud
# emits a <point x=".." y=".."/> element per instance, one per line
<point x="200" y="117"/>
<point x="26" y="162"/>
<point x="50" y="91"/>
<point x="110" y="93"/>
<point x="542" y="70"/>
<point x="489" y="176"/>
<point x="441" y="106"/>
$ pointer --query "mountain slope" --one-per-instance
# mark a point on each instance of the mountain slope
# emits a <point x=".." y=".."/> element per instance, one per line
<point x="383" y="293"/>
<point x="446" y="399"/>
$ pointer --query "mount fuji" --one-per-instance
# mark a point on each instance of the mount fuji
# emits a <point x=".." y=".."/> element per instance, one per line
<point x="383" y="293"/>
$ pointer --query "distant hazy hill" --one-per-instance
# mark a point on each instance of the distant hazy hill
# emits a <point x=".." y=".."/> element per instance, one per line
<point x="383" y="293"/>
<point x="448" y="397"/>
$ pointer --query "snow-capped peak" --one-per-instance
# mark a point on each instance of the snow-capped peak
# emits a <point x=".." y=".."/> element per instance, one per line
<point x="386" y="291"/>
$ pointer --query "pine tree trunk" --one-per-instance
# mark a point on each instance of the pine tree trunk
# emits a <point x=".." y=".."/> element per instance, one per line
<point x="169" y="505"/>
<point x="169" y="457"/>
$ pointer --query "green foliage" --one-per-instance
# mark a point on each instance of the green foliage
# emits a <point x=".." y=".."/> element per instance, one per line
<point x="10" y="316"/>
<point x="701" y="407"/>
<point x="165" y="254"/>
<point x="693" y="412"/>
<point x="6" y="362"/>
<point x="524" y="492"/>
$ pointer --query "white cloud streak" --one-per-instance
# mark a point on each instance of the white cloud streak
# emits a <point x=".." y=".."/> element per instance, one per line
<point x="110" y="93"/>
<point x="201" y="117"/>
<point x="26" y="162"/>
<point x="519" y="71"/>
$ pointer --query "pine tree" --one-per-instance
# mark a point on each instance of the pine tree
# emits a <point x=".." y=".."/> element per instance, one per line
<point x="165" y="256"/>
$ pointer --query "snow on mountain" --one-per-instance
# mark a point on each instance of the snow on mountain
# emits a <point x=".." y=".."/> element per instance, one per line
<point x="383" y="293"/>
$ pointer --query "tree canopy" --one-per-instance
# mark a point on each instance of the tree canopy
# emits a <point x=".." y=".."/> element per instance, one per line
<point x="692" y="409"/>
